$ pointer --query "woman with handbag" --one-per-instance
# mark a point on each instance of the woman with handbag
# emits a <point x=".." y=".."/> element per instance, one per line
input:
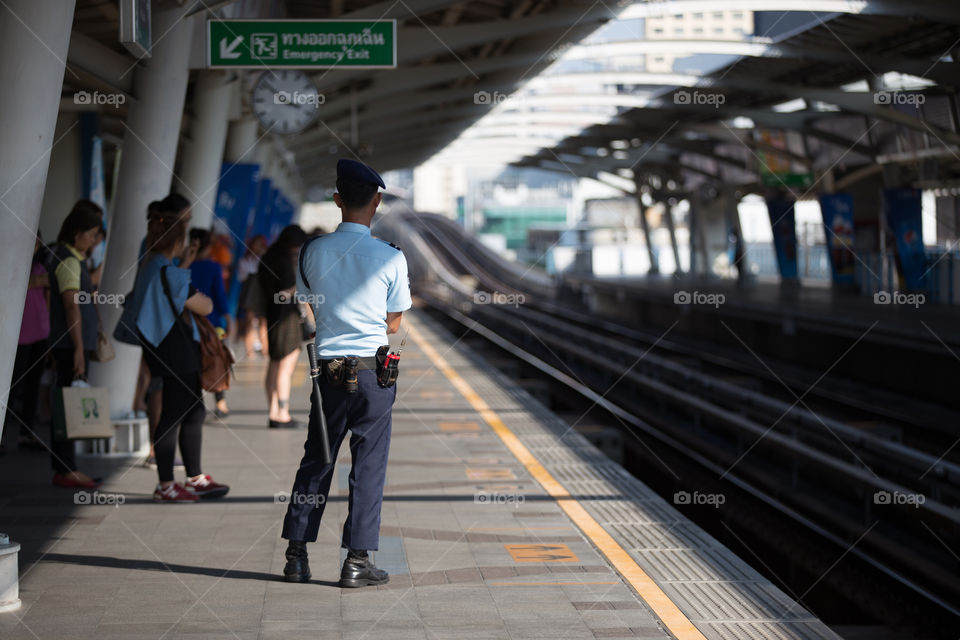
<point x="74" y="324"/>
<point x="162" y="309"/>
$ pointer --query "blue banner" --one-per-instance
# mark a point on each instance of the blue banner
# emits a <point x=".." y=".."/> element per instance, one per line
<point x="91" y="164"/>
<point x="783" y="225"/>
<point x="261" y="221"/>
<point x="904" y="218"/>
<point x="236" y="200"/>
<point x="91" y="168"/>
<point x="837" y="211"/>
<point x="235" y="209"/>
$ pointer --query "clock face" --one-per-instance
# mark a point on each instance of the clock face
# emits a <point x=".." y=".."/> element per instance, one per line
<point x="286" y="101"/>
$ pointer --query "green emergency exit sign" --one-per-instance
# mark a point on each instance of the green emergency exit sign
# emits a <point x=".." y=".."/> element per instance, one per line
<point x="258" y="44"/>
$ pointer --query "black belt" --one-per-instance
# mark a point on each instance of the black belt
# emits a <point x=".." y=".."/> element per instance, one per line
<point x="368" y="362"/>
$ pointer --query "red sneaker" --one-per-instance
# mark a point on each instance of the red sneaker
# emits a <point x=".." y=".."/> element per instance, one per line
<point x="173" y="493"/>
<point x="205" y="487"/>
<point x="69" y="481"/>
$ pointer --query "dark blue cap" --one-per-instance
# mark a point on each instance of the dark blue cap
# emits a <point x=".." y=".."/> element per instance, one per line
<point x="358" y="172"/>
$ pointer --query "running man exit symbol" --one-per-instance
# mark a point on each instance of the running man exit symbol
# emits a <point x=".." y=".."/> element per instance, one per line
<point x="264" y="46"/>
<point x="541" y="553"/>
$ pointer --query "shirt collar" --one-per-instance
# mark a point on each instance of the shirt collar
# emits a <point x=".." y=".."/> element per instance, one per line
<point x="76" y="254"/>
<point x="353" y="227"/>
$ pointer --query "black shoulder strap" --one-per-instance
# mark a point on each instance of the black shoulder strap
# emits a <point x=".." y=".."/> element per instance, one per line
<point x="303" y="251"/>
<point x="166" y="288"/>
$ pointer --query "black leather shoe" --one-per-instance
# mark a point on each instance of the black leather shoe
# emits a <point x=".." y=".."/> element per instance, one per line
<point x="297" y="569"/>
<point x="360" y="572"/>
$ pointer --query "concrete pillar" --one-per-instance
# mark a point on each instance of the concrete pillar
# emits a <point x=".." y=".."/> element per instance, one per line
<point x="672" y="228"/>
<point x="710" y="240"/>
<point x="203" y="153"/>
<point x="34" y="37"/>
<point x="64" y="184"/>
<point x="731" y="205"/>
<point x="242" y="141"/>
<point x="645" y="226"/>
<point x="267" y="158"/>
<point x="152" y="132"/>
<point x="692" y="226"/>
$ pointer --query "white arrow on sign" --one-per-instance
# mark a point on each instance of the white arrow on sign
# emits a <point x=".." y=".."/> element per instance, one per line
<point x="229" y="51"/>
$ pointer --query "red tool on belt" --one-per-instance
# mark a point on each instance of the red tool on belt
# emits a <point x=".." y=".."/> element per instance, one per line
<point x="388" y="365"/>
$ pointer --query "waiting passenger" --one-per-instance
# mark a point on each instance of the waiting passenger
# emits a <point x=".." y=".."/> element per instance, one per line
<point x="73" y="324"/>
<point x="250" y="319"/>
<point x="278" y="282"/>
<point x="31" y="353"/>
<point x="171" y="347"/>
<point x="207" y="276"/>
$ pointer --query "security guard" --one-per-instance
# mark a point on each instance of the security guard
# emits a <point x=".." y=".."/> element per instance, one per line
<point x="358" y="288"/>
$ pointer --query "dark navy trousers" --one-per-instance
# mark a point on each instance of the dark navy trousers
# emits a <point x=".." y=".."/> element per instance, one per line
<point x="366" y="413"/>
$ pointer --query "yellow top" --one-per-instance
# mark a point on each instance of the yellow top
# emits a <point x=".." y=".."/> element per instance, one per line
<point x="68" y="271"/>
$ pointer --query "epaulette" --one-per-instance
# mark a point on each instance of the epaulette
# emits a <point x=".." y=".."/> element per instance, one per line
<point x="391" y="244"/>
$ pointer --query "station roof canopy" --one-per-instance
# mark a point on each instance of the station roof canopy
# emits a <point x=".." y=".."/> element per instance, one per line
<point x="867" y="86"/>
<point x="807" y="103"/>
<point x="452" y="57"/>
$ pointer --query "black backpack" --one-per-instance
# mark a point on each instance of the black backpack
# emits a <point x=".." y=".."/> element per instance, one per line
<point x="178" y="353"/>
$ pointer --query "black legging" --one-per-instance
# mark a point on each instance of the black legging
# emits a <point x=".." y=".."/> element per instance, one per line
<point x="183" y="406"/>
<point x="27" y="370"/>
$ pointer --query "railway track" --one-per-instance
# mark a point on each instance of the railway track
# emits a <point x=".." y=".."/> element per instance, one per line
<point x="799" y="456"/>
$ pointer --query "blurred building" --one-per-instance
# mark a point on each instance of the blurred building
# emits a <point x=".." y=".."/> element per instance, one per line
<point x="733" y="25"/>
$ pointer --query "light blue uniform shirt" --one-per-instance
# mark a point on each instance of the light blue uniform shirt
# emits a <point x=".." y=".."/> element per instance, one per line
<point x="355" y="280"/>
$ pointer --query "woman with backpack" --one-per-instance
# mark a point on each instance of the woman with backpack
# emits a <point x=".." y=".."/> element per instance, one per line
<point x="170" y="338"/>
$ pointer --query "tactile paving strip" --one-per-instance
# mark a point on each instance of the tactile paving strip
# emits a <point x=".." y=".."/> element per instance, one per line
<point x="647" y="511"/>
<point x="722" y="595"/>
<point x="773" y="630"/>
<point x="678" y="565"/>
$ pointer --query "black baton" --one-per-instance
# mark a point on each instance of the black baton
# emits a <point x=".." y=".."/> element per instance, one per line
<point x="317" y="404"/>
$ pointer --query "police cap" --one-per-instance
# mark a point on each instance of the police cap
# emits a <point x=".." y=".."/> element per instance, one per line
<point x="358" y="172"/>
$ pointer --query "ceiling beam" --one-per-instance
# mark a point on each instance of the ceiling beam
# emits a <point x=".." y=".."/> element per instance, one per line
<point x="934" y="10"/>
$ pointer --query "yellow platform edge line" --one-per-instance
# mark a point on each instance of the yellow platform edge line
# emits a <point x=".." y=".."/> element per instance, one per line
<point x="676" y="622"/>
